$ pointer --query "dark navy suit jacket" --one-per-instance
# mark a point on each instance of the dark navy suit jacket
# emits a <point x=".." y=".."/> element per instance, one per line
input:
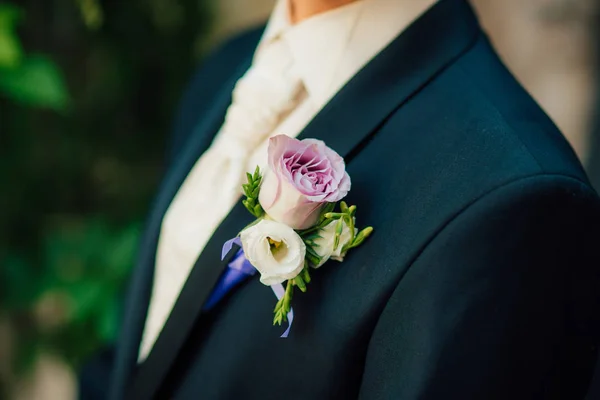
<point x="482" y="280"/>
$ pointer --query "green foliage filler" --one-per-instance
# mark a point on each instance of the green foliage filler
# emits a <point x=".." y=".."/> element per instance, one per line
<point x="87" y="93"/>
<point x="31" y="80"/>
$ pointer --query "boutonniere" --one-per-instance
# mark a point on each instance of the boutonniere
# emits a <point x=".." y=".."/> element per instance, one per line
<point x="301" y="222"/>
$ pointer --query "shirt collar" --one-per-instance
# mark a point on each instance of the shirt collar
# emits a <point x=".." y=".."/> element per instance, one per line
<point x="278" y="23"/>
<point x="316" y="44"/>
<point x="331" y="47"/>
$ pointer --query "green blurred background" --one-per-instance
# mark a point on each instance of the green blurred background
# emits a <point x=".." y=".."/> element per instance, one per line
<point x="86" y="95"/>
<point x="87" y="92"/>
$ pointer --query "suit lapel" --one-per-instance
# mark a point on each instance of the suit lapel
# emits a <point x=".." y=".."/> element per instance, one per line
<point x="346" y="124"/>
<point x="140" y="289"/>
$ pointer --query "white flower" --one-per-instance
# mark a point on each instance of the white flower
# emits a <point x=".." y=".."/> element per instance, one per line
<point x="275" y="250"/>
<point x="325" y="243"/>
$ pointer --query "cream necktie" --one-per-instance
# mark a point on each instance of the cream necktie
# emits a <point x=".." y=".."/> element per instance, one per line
<point x="267" y="92"/>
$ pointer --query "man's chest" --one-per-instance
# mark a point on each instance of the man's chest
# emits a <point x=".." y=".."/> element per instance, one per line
<point x="236" y="342"/>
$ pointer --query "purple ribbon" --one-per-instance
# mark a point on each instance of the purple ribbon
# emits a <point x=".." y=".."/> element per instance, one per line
<point x="238" y="269"/>
<point x="228" y="245"/>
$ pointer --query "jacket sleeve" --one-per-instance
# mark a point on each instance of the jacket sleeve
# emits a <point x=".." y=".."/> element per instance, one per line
<point x="502" y="304"/>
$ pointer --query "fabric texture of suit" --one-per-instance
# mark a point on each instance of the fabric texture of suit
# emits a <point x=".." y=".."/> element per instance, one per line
<point x="481" y="281"/>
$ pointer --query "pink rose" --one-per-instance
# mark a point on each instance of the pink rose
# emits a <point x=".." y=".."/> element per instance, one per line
<point x="302" y="177"/>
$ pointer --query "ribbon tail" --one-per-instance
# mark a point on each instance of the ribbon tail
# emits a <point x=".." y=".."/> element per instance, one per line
<point x="279" y="292"/>
<point x="228" y="245"/>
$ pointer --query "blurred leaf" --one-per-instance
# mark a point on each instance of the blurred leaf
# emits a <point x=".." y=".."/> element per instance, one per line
<point x="86" y="297"/>
<point x="9" y="15"/>
<point x="63" y="254"/>
<point x="90" y="261"/>
<point x="10" y="48"/>
<point x="76" y="248"/>
<point x="92" y="13"/>
<point x="108" y="323"/>
<point x="121" y="254"/>
<point x="36" y="82"/>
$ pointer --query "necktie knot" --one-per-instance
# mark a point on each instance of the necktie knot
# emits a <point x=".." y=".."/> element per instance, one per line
<point x="268" y="90"/>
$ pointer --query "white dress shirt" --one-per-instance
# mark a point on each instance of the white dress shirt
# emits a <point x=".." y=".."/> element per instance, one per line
<point x="327" y="50"/>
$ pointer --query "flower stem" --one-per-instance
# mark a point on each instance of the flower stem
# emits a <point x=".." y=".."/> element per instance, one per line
<point x="289" y="293"/>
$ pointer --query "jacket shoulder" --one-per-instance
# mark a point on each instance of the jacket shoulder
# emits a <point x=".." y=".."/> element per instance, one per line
<point x="490" y="84"/>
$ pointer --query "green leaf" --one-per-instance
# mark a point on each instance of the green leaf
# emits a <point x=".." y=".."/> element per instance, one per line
<point x="329" y="207"/>
<point x="279" y="315"/>
<point x="248" y="206"/>
<point x="349" y="219"/>
<point x="332" y="215"/>
<point x="315" y="229"/>
<point x="247" y="189"/>
<point x="284" y="305"/>
<point x="312" y="252"/>
<point x="312" y="237"/>
<point x="258" y="211"/>
<point x="338" y="232"/>
<point x="299" y="281"/>
<point x="278" y="305"/>
<point x="313" y="260"/>
<point x="306" y="273"/>
<point x="36" y="82"/>
<point x="251" y="190"/>
<point x="362" y="235"/>
<point x="343" y="206"/>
